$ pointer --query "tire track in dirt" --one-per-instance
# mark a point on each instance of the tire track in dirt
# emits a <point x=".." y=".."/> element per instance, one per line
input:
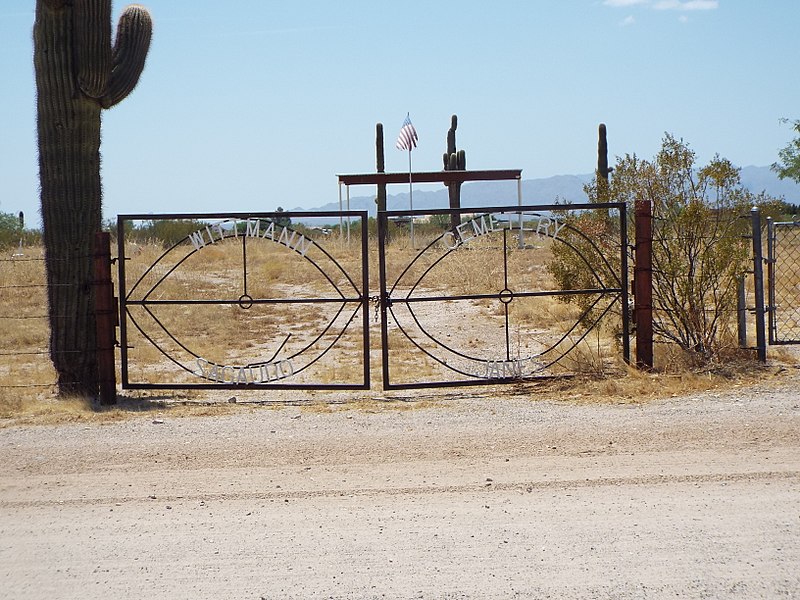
<point x="488" y="487"/>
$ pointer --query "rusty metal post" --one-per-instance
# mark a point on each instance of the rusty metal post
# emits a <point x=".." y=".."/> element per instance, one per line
<point x="643" y="283"/>
<point x="106" y="319"/>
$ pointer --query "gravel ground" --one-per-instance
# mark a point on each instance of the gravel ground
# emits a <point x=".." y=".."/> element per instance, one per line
<point x="446" y="497"/>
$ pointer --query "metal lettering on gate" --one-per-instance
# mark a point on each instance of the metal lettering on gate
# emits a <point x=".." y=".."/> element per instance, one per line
<point x="783" y="276"/>
<point x="243" y="301"/>
<point x="472" y="304"/>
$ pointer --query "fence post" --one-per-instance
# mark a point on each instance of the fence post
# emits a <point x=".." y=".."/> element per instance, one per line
<point x="643" y="283"/>
<point x="758" y="284"/>
<point x="741" y="311"/>
<point x="770" y="308"/>
<point x="105" y="318"/>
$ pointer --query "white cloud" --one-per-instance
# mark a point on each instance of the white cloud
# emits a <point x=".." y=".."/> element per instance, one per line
<point x="686" y="5"/>
<point x="629" y="20"/>
<point x="623" y="3"/>
<point x="682" y="5"/>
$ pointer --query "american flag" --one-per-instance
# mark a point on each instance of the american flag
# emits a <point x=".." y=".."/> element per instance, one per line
<point x="407" y="140"/>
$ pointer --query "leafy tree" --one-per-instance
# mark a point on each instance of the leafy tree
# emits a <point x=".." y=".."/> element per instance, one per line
<point x="10" y="229"/>
<point x="282" y="221"/>
<point x="699" y="243"/>
<point x="789" y="167"/>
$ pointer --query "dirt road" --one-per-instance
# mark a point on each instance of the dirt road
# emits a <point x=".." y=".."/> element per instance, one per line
<point x="455" y="497"/>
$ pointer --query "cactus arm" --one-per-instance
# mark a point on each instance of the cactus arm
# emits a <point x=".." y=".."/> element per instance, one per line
<point x="134" y="32"/>
<point x="91" y="22"/>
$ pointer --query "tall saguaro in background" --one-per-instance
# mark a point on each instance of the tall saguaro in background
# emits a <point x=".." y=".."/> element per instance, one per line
<point x="78" y="73"/>
<point x="454" y="160"/>
<point x="602" y="164"/>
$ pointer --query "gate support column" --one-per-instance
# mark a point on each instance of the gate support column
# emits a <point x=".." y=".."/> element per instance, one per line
<point x="105" y="318"/>
<point x="643" y="284"/>
<point x="758" y="284"/>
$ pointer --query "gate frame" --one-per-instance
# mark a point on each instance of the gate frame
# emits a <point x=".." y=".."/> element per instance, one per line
<point x="771" y="261"/>
<point x="623" y="290"/>
<point x="363" y="299"/>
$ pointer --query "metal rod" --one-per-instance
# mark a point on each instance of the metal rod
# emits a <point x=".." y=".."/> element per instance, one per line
<point x="773" y="326"/>
<point x="411" y="197"/>
<point x="348" y="216"/>
<point x="758" y="279"/>
<point x="626" y="325"/>
<point x="123" y="334"/>
<point x="383" y="222"/>
<point x="741" y="311"/>
<point x="519" y="204"/>
<point x="341" y="223"/>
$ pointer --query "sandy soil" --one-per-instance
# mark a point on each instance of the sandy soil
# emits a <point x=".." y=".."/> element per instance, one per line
<point x="450" y="497"/>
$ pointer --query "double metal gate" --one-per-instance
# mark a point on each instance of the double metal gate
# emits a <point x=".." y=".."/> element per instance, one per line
<point x="254" y="300"/>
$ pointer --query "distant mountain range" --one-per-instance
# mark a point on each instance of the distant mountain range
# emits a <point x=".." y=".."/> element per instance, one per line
<point x="561" y="188"/>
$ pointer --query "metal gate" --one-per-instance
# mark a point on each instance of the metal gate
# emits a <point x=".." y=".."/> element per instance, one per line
<point x="244" y="300"/>
<point x="783" y="276"/>
<point x="472" y="305"/>
<point x="250" y="300"/>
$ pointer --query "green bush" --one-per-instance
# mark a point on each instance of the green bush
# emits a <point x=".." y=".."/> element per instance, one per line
<point x="700" y="246"/>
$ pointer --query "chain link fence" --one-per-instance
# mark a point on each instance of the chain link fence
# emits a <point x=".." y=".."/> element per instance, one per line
<point x="783" y="274"/>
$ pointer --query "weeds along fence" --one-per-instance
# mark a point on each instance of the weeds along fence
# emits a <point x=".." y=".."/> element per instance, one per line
<point x="25" y="366"/>
<point x="26" y="369"/>
<point x="711" y="289"/>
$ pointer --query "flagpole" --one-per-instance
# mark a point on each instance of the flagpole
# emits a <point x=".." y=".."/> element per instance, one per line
<point x="411" y="197"/>
<point x="407" y="140"/>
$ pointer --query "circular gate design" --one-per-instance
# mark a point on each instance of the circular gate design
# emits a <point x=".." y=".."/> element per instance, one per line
<point x="475" y="304"/>
<point x="244" y="300"/>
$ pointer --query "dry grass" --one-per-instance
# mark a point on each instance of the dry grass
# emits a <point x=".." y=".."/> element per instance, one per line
<point x="27" y="379"/>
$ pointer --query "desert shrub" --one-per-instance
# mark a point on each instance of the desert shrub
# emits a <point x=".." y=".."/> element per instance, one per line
<point x="700" y="244"/>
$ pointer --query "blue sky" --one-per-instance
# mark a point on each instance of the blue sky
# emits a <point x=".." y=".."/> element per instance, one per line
<point x="251" y="104"/>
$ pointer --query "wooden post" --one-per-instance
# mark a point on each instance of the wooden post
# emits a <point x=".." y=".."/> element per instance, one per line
<point x="643" y="284"/>
<point x="106" y="319"/>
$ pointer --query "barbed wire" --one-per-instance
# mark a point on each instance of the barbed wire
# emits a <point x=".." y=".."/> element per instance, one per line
<point x="31" y="385"/>
<point x="12" y="317"/>
<point x="41" y="352"/>
<point x="68" y="258"/>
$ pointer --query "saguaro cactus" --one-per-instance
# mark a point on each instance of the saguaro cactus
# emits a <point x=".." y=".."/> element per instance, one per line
<point x="454" y="160"/>
<point x="602" y="164"/>
<point x="78" y="73"/>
